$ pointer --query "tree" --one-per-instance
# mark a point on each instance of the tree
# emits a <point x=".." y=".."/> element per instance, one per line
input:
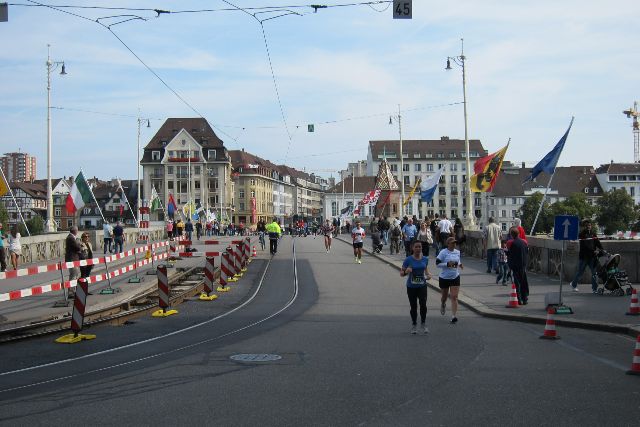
<point x="616" y="211"/>
<point x="4" y="218"/>
<point x="528" y="213"/>
<point x="35" y="224"/>
<point x="576" y="204"/>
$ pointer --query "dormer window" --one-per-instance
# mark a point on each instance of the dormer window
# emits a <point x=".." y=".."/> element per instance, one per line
<point x="211" y="154"/>
<point x="155" y="155"/>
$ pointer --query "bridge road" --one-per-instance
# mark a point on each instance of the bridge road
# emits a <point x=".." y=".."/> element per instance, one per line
<point x="347" y="359"/>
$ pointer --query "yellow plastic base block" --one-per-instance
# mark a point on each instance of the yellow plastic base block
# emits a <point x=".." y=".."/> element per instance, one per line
<point x="160" y="313"/>
<point x="231" y="279"/>
<point x="237" y="276"/>
<point x="244" y="270"/>
<point x="72" y="338"/>
<point x="225" y="289"/>
<point x="204" y="297"/>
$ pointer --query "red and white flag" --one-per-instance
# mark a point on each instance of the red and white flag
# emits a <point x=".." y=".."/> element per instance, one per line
<point x="371" y="198"/>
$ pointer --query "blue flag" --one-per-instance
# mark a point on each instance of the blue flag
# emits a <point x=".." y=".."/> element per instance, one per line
<point x="429" y="185"/>
<point x="549" y="162"/>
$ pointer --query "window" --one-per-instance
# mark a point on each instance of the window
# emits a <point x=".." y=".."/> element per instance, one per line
<point x="252" y="181"/>
<point x="492" y="214"/>
<point x="477" y="201"/>
<point x="454" y="203"/>
<point x="503" y="213"/>
<point x="410" y="207"/>
<point x="169" y="170"/>
<point x="183" y="186"/>
<point x="407" y="180"/>
<point x="632" y="191"/>
<point x="213" y="200"/>
<point x="405" y="167"/>
<point x="394" y="167"/>
<point x="429" y="167"/>
<point x="440" y="155"/>
<point x="442" y="191"/>
<point x="69" y="223"/>
<point x="58" y="212"/>
<point x="196" y="170"/>
<point x="454" y="179"/>
<point x="86" y="211"/>
<point x="155" y="155"/>
<point x="211" y="154"/>
<point x="241" y="206"/>
<point x="334" y="208"/>
<point x="197" y="185"/>
<point x="514" y="200"/>
<point x="503" y="226"/>
<point x="241" y="194"/>
<point x="595" y="190"/>
<point x="417" y="167"/>
<point x="514" y="213"/>
<point x="253" y="193"/>
<point x="453" y="167"/>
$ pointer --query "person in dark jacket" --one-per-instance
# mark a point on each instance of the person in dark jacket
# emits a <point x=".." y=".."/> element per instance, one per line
<point x="587" y="256"/>
<point x="72" y="251"/>
<point x="517" y="260"/>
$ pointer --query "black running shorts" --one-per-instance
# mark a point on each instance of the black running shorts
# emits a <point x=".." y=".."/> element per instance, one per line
<point x="446" y="283"/>
<point x="357" y="245"/>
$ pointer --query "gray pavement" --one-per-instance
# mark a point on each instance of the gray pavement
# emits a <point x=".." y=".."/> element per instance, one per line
<point x="480" y="292"/>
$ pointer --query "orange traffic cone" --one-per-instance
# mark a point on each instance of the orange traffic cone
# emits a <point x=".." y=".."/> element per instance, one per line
<point x="635" y="365"/>
<point x="513" y="297"/>
<point x="634" y="307"/>
<point x="254" y="254"/>
<point x="550" y="327"/>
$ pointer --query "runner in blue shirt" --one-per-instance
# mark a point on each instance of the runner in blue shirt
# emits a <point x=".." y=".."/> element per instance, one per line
<point x="449" y="280"/>
<point x="415" y="268"/>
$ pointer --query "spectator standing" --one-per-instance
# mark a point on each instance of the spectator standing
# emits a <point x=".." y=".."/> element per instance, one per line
<point x="518" y="224"/>
<point x="188" y="228"/>
<point x="409" y="232"/>
<point x="86" y="252"/>
<point x="384" y="226"/>
<point x="180" y="227"/>
<point x="458" y="233"/>
<point x="3" y="253"/>
<point x="503" y="266"/>
<point x="395" y="235"/>
<point x="198" y="230"/>
<point x="492" y="237"/>
<point x="425" y="238"/>
<point x="517" y="259"/>
<point x="118" y="238"/>
<point x="446" y="228"/>
<point x="589" y="242"/>
<point x="15" y="247"/>
<point x="72" y="251"/>
<point x="170" y="229"/>
<point x="107" y="237"/>
<point x="435" y="232"/>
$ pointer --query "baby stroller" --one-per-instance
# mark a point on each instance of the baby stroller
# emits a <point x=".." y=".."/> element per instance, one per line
<point x="377" y="243"/>
<point x="611" y="277"/>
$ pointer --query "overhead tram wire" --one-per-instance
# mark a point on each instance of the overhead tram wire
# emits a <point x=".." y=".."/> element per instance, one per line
<point x="108" y="27"/>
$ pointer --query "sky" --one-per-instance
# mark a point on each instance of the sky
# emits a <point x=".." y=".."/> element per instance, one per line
<point x="530" y="67"/>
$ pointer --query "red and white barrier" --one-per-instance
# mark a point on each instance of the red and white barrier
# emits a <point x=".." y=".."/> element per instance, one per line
<point x="143" y="226"/>
<point x="77" y="318"/>
<point x="209" y="269"/>
<point x="163" y="294"/>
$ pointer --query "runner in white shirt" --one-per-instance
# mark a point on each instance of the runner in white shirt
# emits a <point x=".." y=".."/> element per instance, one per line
<point x="357" y="234"/>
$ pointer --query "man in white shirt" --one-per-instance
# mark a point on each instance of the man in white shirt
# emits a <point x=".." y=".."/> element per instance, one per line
<point x="446" y="228"/>
<point x="492" y="237"/>
<point x="107" y="231"/>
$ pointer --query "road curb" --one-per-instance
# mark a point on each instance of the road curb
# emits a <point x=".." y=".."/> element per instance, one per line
<point x="481" y="309"/>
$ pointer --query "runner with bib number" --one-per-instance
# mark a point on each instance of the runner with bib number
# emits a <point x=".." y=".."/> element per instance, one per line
<point x="415" y="268"/>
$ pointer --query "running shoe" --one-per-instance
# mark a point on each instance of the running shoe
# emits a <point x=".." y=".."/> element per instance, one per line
<point x="443" y="308"/>
<point x="359" y="261"/>
<point x="356" y="260"/>
<point x="454" y="320"/>
<point x="575" y="289"/>
<point x="423" y="328"/>
<point x="414" y="329"/>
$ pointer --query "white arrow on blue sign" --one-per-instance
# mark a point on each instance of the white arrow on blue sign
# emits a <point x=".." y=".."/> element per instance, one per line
<point x="566" y="227"/>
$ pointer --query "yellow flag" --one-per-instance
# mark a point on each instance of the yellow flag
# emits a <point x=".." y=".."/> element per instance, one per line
<point x="413" y="191"/>
<point x="486" y="170"/>
<point x="4" y="187"/>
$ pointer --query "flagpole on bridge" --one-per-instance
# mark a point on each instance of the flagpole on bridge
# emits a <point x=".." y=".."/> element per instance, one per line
<point x="544" y="197"/>
<point x="14" y="201"/>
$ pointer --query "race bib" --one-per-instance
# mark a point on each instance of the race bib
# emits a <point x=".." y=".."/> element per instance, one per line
<point x="417" y="279"/>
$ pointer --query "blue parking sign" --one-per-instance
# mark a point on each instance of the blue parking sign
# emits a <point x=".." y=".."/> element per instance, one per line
<point x="566" y="227"/>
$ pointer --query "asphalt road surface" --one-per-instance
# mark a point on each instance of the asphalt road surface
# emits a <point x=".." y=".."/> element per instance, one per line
<point x="344" y="357"/>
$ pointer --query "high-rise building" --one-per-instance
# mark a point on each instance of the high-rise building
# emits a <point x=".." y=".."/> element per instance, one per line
<point x="18" y="167"/>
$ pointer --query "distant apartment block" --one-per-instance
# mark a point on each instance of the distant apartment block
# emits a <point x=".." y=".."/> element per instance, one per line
<point x="18" y="167"/>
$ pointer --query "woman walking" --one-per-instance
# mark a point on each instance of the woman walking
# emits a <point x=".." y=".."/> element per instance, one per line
<point x="86" y="252"/>
<point x="425" y="238"/>
<point x="415" y="268"/>
<point x="15" y="247"/>
<point x="449" y="280"/>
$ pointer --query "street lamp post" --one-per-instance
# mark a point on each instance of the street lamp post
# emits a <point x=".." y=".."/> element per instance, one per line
<point x="460" y="61"/>
<point x="140" y="121"/>
<point x="51" y="66"/>
<point x="399" y="118"/>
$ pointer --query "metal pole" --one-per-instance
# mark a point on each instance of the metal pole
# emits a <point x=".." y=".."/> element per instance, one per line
<point x="353" y="192"/>
<point x="401" y="163"/>
<point x="561" y="272"/>
<point x="50" y="221"/>
<point x="138" y="170"/>
<point x="470" y="211"/>
<point x="544" y="197"/>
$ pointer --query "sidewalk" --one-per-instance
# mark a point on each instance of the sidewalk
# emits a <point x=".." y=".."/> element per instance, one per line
<point x="480" y="293"/>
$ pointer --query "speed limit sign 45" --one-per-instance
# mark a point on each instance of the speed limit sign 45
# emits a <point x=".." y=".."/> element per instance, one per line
<point x="402" y="9"/>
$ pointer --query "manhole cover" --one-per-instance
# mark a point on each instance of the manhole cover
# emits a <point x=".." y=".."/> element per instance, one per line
<point x="255" y="357"/>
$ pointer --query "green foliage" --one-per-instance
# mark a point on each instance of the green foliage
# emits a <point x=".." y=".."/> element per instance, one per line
<point x="616" y="211"/>
<point x="4" y="218"/>
<point x="528" y="213"/>
<point x="577" y="205"/>
<point x="35" y="224"/>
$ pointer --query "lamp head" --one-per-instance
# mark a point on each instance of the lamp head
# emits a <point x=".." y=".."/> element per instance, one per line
<point x="390" y="120"/>
<point x="63" y="72"/>
<point x="448" y="64"/>
<point x="148" y="123"/>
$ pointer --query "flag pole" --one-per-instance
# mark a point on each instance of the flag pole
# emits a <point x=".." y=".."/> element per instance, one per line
<point x="164" y="211"/>
<point x="14" y="202"/>
<point x="128" y="204"/>
<point x="93" y="196"/>
<point x="544" y="197"/>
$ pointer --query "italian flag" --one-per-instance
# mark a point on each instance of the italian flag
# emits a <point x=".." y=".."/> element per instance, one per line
<point x="79" y="196"/>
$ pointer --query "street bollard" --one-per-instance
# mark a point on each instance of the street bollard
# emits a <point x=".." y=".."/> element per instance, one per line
<point x="237" y="253"/>
<point x="77" y="318"/>
<point x="163" y="294"/>
<point x="225" y="273"/>
<point x="231" y="270"/>
<point x="209" y="269"/>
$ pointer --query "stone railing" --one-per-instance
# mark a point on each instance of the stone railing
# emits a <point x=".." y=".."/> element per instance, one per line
<point x="545" y="255"/>
<point x="45" y="247"/>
